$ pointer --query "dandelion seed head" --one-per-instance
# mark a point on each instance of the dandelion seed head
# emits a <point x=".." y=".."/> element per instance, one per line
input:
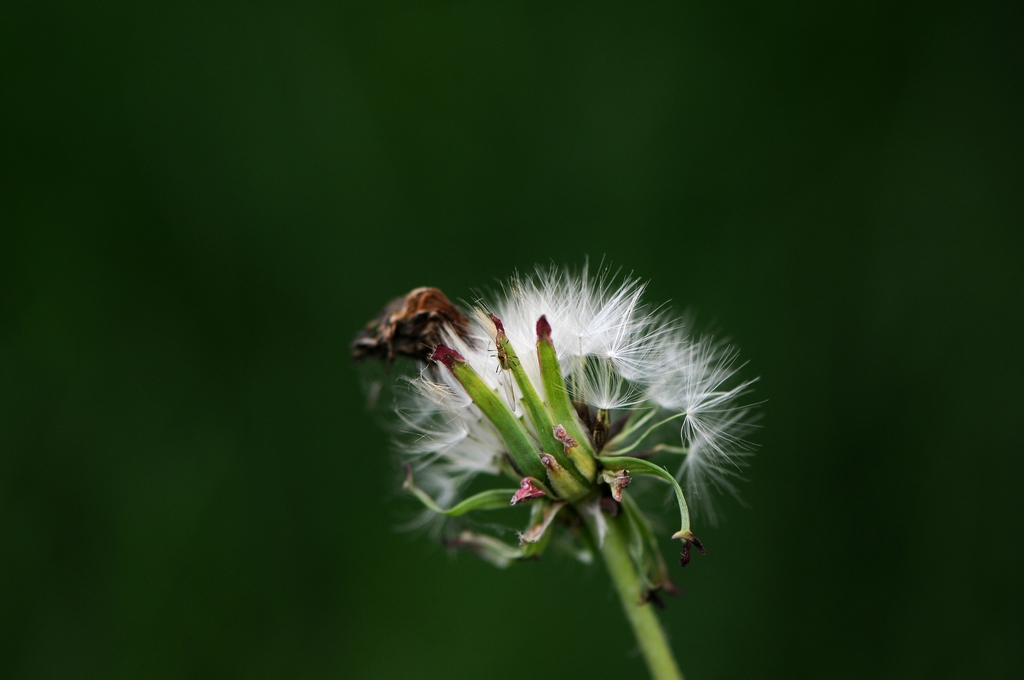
<point x="615" y="352"/>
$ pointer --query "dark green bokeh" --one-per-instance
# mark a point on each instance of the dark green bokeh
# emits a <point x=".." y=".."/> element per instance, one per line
<point x="202" y="205"/>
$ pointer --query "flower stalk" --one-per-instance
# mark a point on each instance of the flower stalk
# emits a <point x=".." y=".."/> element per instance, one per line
<point x="642" y="618"/>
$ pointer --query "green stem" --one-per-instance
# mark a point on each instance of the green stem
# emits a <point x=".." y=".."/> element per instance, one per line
<point x="642" y="617"/>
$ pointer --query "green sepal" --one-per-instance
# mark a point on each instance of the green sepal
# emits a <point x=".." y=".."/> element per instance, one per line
<point x="562" y="481"/>
<point x="539" y="415"/>
<point x="520" y="446"/>
<point x="561" y="407"/>
<point x="583" y="462"/>
<point x="637" y="466"/>
<point x="487" y="500"/>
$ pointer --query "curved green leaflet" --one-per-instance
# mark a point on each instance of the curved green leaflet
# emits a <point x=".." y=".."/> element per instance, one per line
<point x="651" y="429"/>
<point x="486" y="500"/>
<point x="637" y="466"/>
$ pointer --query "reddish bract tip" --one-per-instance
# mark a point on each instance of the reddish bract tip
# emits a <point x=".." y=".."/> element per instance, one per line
<point x="498" y="325"/>
<point x="697" y="544"/>
<point x="548" y="461"/>
<point x="543" y="328"/>
<point x="561" y="435"/>
<point x="617" y="481"/>
<point x="527" y="490"/>
<point x="447" y="356"/>
<point x="684" y="559"/>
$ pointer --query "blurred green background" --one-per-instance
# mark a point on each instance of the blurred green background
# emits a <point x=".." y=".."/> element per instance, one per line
<point x="202" y="204"/>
